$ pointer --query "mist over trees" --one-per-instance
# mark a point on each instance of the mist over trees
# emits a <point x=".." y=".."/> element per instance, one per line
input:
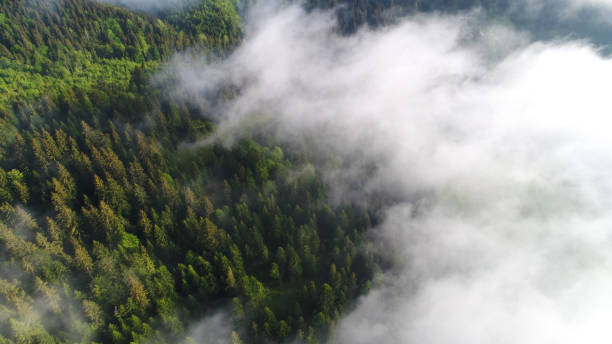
<point x="113" y="231"/>
<point x="127" y="216"/>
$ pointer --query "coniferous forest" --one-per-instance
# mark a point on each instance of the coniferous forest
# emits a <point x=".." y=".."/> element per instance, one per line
<point x="116" y="228"/>
<point x="111" y="231"/>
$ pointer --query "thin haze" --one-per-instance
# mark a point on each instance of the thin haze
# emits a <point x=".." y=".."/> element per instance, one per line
<point x="504" y="232"/>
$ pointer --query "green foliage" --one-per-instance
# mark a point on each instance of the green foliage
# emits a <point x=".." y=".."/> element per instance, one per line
<point x="215" y="22"/>
<point x="131" y="235"/>
<point x="47" y="47"/>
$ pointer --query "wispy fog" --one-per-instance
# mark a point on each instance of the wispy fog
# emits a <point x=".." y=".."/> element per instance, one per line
<point x="498" y="150"/>
<point x="214" y="329"/>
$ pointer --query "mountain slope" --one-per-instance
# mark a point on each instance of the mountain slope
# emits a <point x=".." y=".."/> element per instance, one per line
<point x="112" y="231"/>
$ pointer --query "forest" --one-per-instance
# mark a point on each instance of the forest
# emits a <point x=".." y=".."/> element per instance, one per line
<point x="115" y="229"/>
<point x="112" y="231"/>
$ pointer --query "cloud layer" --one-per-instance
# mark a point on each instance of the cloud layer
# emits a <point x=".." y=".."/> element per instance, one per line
<point x="498" y="153"/>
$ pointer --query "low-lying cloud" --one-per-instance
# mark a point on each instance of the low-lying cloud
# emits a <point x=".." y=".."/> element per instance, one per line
<point x="497" y="151"/>
<point x="214" y="329"/>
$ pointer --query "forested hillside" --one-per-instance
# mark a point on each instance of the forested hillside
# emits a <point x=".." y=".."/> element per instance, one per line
<point x="354" y="13"/>
<point x="49" y="46"/>
<point x="112" y="231"/>
<point x="543" y="20"/>
<point x="114" y="227"/>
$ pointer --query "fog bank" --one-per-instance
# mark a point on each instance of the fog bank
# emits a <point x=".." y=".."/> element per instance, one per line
<point x="498" y="152"/>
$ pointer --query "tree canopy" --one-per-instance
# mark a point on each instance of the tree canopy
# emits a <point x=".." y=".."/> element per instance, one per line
<point x="112" y="231"/>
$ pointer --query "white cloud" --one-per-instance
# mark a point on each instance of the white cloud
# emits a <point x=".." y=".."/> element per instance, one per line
<point x="504" y="232"/>
<point x="214" y="329"/>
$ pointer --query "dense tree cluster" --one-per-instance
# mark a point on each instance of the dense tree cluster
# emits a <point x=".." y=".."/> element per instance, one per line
<point x="113" y="230"/>
<point x="216" y="23"/>
<point x="137" y="236"/>
<point x="47" y="46"/>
